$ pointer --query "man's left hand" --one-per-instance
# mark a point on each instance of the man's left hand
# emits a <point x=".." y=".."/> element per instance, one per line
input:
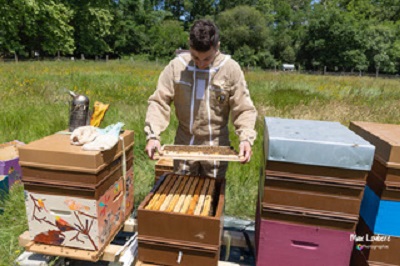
<point x="245" y="151"/>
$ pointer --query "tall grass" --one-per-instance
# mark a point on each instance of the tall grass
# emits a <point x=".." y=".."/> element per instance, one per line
<point x="35" y="103"/>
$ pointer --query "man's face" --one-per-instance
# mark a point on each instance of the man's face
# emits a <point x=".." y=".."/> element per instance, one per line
<point x="203" y="59"/>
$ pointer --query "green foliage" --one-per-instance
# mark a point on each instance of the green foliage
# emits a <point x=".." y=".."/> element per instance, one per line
<point x="166" y="38"/>
<point x="341" y="35"/>
<point x="244" y="35"/>
<point x="55" y="33"/>
<point x="92" y="27"/>
<point x="13" y="222"/>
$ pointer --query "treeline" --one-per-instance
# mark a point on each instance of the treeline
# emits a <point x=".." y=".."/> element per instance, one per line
<point x="330" y="35"/>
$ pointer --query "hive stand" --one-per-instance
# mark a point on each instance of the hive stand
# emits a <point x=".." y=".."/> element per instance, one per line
<point x="113" y="253"/>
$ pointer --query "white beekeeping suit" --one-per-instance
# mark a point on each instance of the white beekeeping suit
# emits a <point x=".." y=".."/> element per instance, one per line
<point x="203" y="99"/>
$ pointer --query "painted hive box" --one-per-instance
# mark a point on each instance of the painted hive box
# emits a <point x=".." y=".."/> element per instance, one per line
<point x="77" y="198"/>
<point x="86" y="221"/>
<point x="375" y="249"/>
<point x="283" y="243"/>
<point x="381" y="202"/>
<point x="180" y="221"/>
<point x="4" y="188"/>
<point x="9" y="161"/>
<point x="381" y="215"/>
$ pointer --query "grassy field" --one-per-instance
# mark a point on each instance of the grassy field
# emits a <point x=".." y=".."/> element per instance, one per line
<point x="35" y="103"/>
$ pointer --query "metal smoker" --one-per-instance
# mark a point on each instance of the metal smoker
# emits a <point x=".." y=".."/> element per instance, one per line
<point x="79" y="113"/>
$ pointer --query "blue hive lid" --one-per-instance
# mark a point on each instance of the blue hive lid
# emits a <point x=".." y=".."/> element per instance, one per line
<point x="320" y="143"/>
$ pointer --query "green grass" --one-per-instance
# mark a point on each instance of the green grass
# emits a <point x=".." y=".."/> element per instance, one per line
<point x="34" y="103"/>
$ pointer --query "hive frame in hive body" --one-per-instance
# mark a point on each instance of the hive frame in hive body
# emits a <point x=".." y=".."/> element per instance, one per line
<point x="163" y="234"/>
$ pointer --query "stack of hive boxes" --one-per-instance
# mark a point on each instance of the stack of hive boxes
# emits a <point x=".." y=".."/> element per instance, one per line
<point x="180" y="221"/>
<point x="310" y="192"/>
<point x="379" y="228"/>
<point x="77" y="198"/>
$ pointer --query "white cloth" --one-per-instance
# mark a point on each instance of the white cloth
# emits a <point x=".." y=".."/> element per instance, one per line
<point x="106" y="139"/>
<point x="83" y="135"/>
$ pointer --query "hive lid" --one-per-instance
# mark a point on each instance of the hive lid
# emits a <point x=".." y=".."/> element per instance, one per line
<point x="385" y="137"/>
<point x="320" y="143"/>
<point x="56" y="152"/>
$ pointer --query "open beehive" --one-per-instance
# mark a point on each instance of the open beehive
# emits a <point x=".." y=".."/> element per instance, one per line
<point x="182" y="218"/>
<point x="184" y="194"/>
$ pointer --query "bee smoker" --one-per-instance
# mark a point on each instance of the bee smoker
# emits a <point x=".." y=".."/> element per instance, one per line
<point x="79" y="114"/>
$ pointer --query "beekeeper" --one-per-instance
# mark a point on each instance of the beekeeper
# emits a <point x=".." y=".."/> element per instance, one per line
<point x="206" y="87"/>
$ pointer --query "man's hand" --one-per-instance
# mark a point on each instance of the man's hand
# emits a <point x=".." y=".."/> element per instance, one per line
<point x="152" y="146"/>
<point x="245" y="151"/>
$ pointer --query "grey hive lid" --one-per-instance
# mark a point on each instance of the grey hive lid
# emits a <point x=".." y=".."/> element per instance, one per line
<point x="320" y="143"/>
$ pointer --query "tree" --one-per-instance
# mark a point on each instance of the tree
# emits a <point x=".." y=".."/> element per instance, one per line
<point x="54" y="33"/>
<point x="290" y="24"/>
<point x="92" y="22"/>
<point x="11" y="15"/>
<point x="332" y="33"/>
<point x="379" y="41"/>
<point x="29" y="26"/>
<point x="128" y="30"/>
<point x="166" y="38"/>
<point x="242" y="26"/>
<point x="199" y="9"/>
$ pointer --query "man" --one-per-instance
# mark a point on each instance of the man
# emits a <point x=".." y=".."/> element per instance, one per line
<point x="205" y="86"/>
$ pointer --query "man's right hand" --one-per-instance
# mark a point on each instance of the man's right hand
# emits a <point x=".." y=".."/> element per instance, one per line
<point x="152" y="146"/>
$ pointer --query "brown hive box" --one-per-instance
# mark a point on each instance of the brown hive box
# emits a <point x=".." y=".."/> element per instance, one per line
<point x="332" y="175"/>
<point x="55" y="152"/>
<point x="384" y="178"/>
<point x="168" y="236"/>
<point x="53" y="160"/>
<point x="315" y="197"/>
<point x="381" y="251"/>
<point x="291" y="215"/>
<point x="385" y="137"/>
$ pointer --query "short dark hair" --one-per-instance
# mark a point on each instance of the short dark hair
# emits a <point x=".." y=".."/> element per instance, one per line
<point x="204" y="34"/>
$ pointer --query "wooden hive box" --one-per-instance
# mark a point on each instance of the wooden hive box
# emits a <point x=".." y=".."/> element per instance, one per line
<point x="382" y="215"/>
<point x="173" y="235"/>
<point x="386" y="138"/>
<point x="53" y="160"/>
<point x="381" y="202"/>
<point x="77" y="198"/>
<point x="313" y="197"/>
<point x="375" y="249"/>
<point x="9" y="161"/>
<point x="290" y="237"/>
